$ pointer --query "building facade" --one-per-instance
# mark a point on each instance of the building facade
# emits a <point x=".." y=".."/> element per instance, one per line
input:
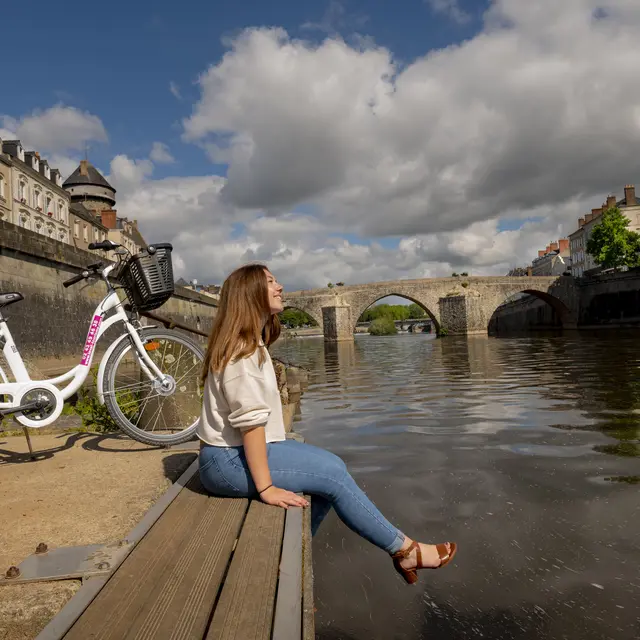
<point x="555" y="260"/>
<point x="123" y="231"/>
<point x="91" y="193"/>
<point x="582" y="263"/>
<point x="77" y="212"/>
<point x="85" y="227"/>
<point x="38" y="201"/>
<point x="6" y="197"/>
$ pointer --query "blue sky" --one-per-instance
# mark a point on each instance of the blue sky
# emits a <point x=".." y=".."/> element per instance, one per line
<point x="119" y="59"/>
<point x="337" y="141"/>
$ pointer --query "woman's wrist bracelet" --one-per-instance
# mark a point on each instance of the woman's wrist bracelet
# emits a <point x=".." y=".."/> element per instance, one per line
<point x="267" y="487"/>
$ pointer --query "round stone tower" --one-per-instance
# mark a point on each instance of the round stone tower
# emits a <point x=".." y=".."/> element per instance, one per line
<point x="87" y="186"/>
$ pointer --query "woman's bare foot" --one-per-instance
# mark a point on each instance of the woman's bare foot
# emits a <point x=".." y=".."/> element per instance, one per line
<point x="430" y="559"/>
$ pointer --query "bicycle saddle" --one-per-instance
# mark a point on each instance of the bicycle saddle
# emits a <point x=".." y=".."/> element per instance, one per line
<point x="9" y="298"/>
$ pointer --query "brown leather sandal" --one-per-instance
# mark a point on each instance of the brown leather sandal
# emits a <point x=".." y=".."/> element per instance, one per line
<point x="411" y="575"/>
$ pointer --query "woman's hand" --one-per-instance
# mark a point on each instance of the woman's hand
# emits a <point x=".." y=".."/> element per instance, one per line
<point x="282" y="498"/>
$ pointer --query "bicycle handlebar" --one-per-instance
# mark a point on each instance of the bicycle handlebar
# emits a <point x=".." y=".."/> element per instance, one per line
<point x="106" y="245"/>
<point x="75" y="279"/>
<point x="92" y="269"/>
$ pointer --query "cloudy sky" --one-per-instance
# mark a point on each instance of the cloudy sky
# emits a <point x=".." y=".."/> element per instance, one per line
<point x="347" y="141"/>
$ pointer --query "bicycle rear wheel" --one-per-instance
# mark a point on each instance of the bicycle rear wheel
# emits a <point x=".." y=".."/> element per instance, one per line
<point x="143" y="408"/>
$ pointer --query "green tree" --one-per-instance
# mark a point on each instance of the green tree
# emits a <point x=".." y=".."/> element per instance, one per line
<point x="611" y="244"/>
<point x="383" y="326"/>
<point x="416" y="311"/>
<point x="295" y="318"/>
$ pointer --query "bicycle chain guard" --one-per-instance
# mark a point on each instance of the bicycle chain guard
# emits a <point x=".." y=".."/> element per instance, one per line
<point x="47" y="394"/>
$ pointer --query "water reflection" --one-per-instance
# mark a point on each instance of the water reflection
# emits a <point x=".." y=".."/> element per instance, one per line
<point x="523" y="450"/>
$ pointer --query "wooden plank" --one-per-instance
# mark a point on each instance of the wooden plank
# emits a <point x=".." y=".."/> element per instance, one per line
<point x="287" y="623"/>
<point x="245" y="608"/>
<point x="168" y="585"/>
<point x="308" y="608"/>
<point x="74" y="608"/>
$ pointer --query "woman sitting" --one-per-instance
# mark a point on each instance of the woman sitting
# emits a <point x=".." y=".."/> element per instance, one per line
<point x="244" y="452"/>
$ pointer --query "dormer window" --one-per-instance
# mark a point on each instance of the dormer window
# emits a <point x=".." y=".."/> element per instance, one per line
<point x="36" y="164"/>
<point x="20" y="153"/>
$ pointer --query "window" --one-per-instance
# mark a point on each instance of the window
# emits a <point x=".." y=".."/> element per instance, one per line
<point x="49" y="205"/>
<point x="76" y="229"/>
<point x="85" y="233"/>
<point x="22" y="191"/>
<point x="2" y="195"/>
<point x="37" y="199"/>
<point x="25" y="221"/>
<point x="39" y="225"/>
<point x="62" y="212"/>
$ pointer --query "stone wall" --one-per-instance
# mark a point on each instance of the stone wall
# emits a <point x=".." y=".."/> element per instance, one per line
<point x="52" y="322"/>
<point x="453" y="314"/>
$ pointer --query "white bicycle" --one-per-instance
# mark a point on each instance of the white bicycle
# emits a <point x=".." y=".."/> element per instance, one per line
<point x="148" y="378"/>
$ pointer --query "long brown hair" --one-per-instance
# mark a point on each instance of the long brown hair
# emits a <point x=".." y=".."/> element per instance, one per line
<point x="239" y="322"/>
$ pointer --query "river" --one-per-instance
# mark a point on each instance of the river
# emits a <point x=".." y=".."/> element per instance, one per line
<point x="525" y="451"/>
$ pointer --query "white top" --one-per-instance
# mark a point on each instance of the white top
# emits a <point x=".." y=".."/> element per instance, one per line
<point x="243" y="395"/>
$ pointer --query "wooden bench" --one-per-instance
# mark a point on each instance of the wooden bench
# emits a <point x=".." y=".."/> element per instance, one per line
<point x="207" y="568"/>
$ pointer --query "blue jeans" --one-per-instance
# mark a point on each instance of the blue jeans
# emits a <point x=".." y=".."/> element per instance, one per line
<point x="302" y="468"/>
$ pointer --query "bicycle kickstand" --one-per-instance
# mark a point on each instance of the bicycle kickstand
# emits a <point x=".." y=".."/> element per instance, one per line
<point x="28" y="437"/>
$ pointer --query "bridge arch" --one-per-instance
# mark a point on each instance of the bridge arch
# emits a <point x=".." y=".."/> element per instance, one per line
<point x="364" y="302"/>
<point x="310" y="311"/>
<point x="566" y="316"/>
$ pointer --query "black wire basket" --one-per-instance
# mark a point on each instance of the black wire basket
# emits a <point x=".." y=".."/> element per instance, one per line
<point x="147" y="277"/>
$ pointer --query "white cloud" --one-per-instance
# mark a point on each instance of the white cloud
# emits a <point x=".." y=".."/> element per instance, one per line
<point x="531" y="114"/>
<point x="175" y="90"/>
<point x="56" y="129"/>
<point x="160" y="153"/>
<point x="450" y="8"/>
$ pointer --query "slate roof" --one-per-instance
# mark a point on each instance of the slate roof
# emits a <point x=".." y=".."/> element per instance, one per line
<point x="93" y="177"/>
<point x="624" y="203"/>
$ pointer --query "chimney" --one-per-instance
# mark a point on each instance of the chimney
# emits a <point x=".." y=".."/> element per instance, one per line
<point x="541" y="254"/>
<point x="553" y="246"/>
<point x="108" y="218"/>
<point x="611" y="202"/>
<point x="596" y="212"/>
<point x="581" y="222"/>
<point x="564" y="245"/>
<point x="588" y="218"/>
<point x="547" y="249"/>
<point x="84" y="168"/>
<point x="630" y="195"/>
<point x="529" y="271"/>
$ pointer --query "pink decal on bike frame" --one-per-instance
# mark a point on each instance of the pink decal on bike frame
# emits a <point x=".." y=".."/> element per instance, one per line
<point x="90" y="344"/>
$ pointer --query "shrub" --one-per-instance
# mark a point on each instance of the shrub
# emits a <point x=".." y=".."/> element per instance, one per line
<point x="383" y="327"/>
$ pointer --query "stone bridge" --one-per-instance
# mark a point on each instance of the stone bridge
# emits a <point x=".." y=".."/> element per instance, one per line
<point x="459" y="305"/>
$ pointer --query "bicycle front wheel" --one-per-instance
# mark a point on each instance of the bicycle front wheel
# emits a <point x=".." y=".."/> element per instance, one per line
<point x="144" y="409"/>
